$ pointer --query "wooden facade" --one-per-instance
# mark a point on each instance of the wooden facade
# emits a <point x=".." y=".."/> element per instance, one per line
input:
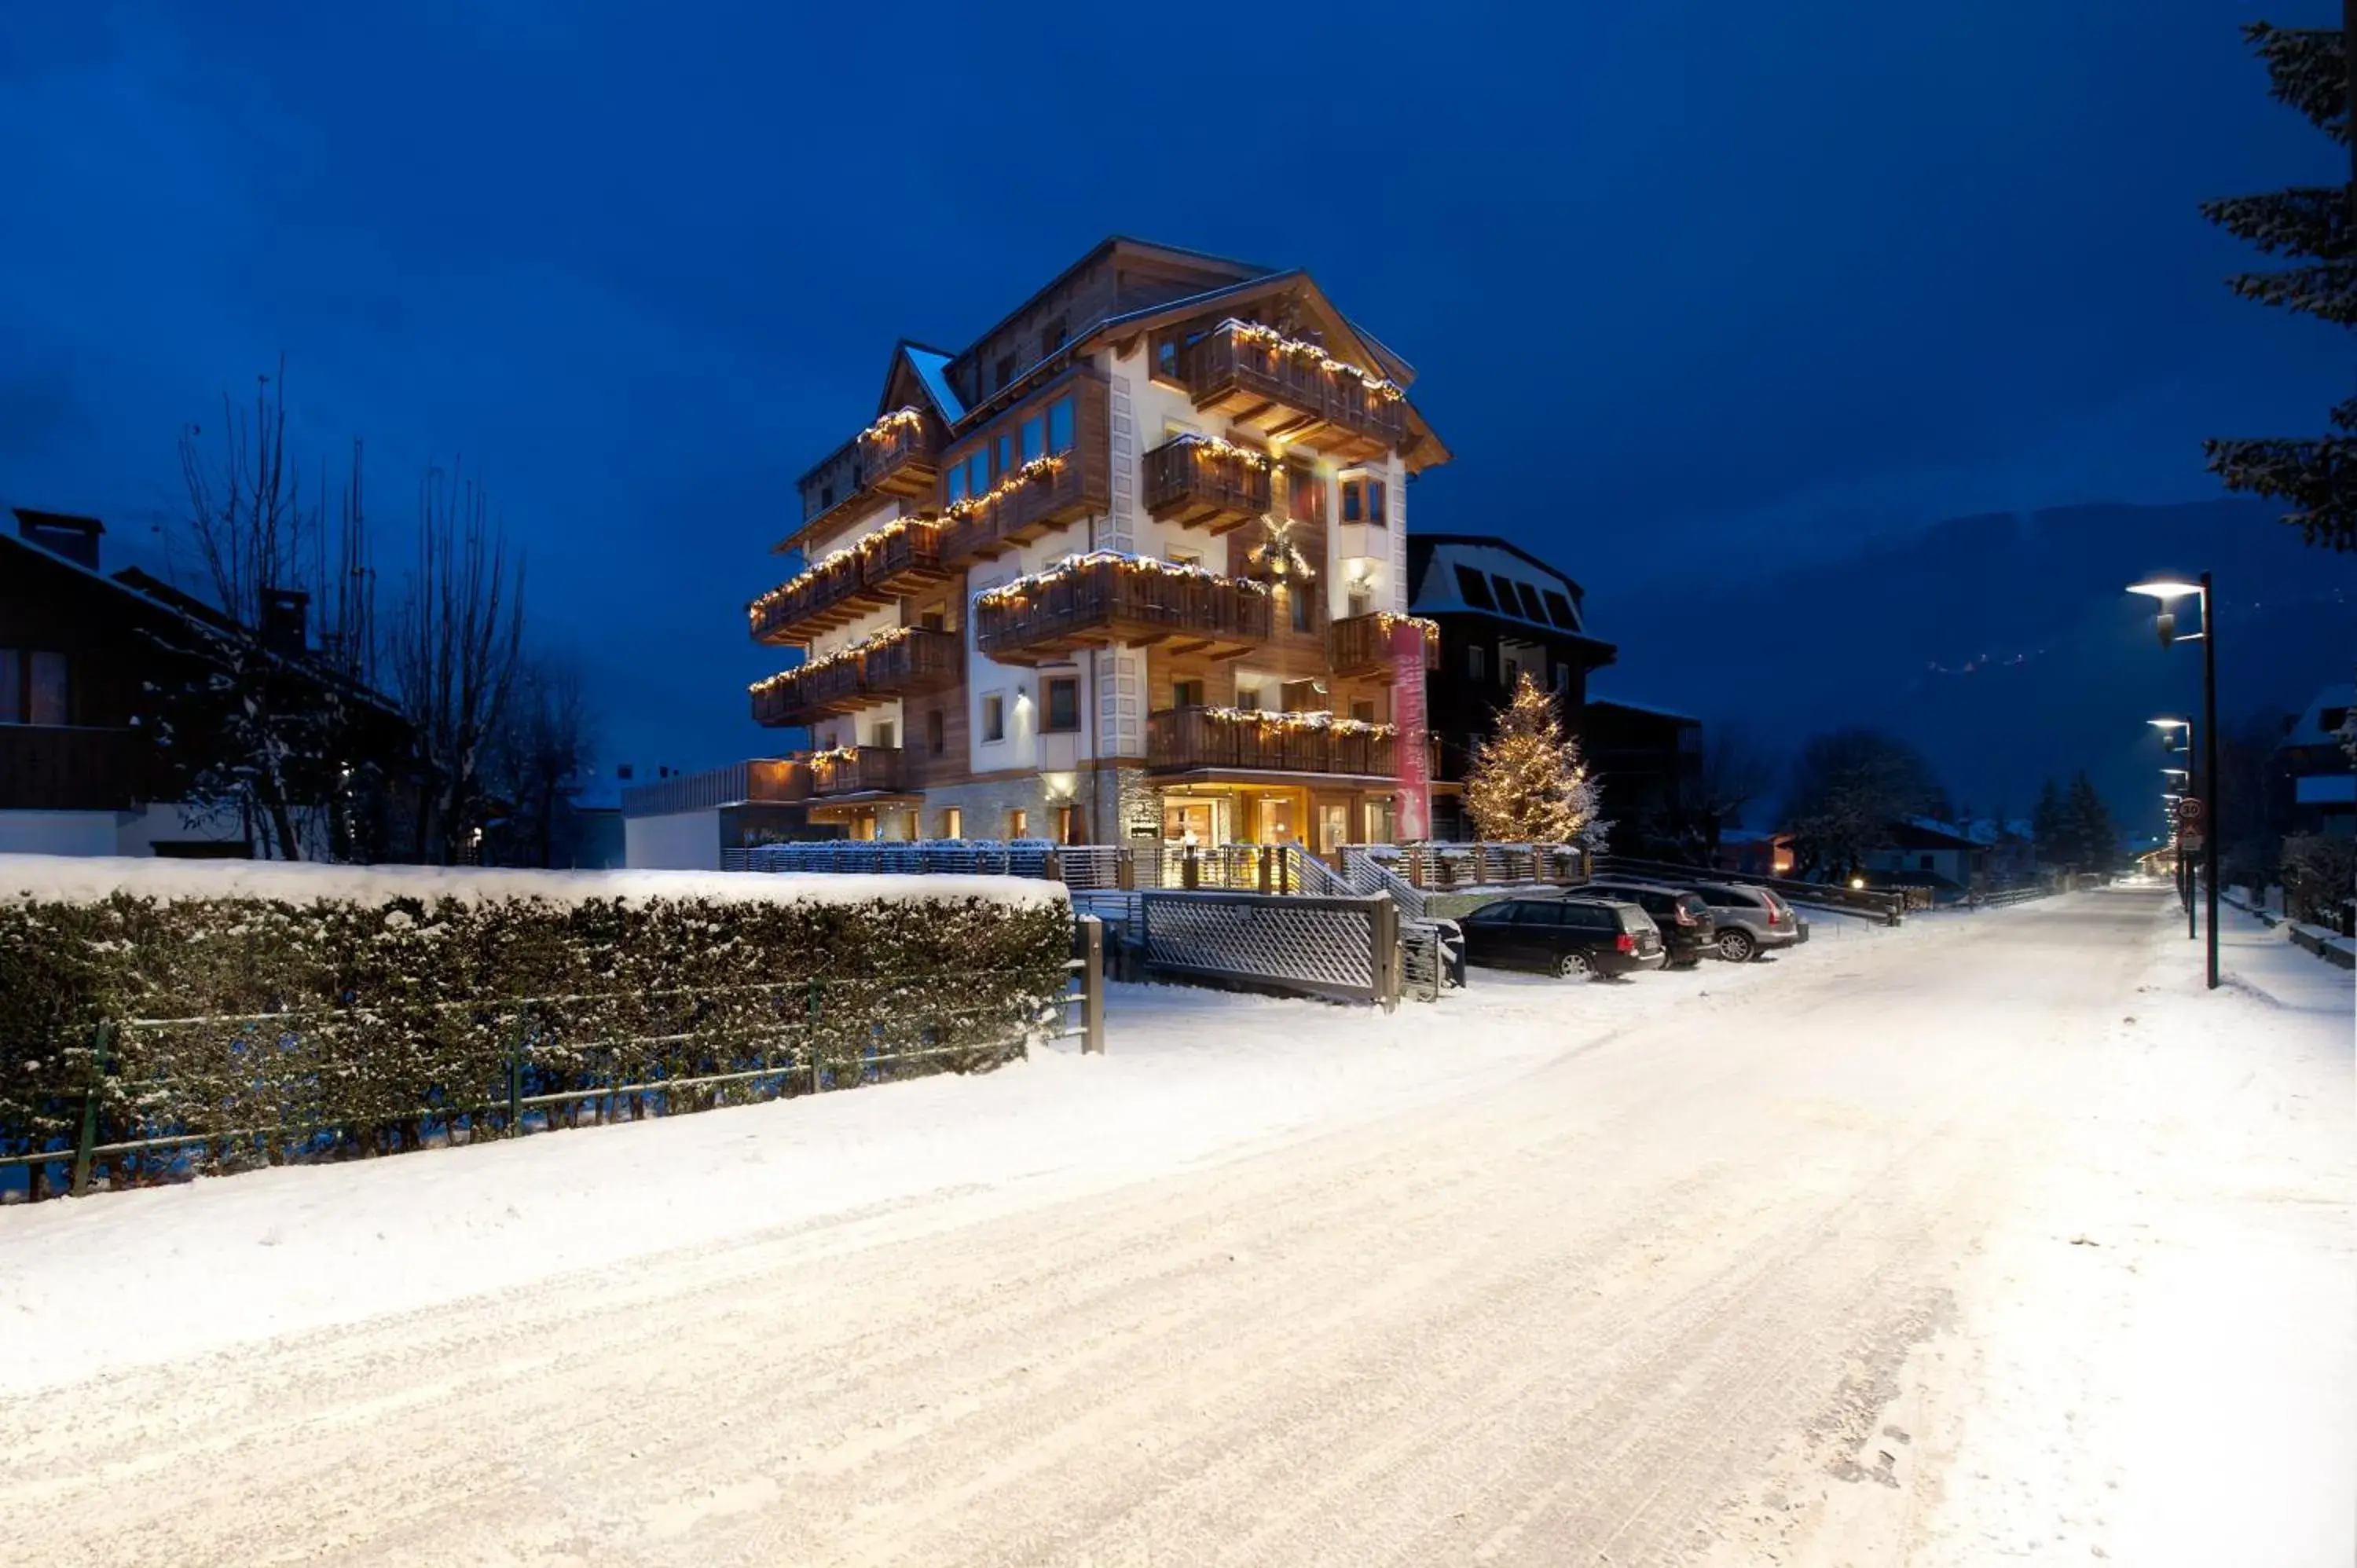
<point x="1011" y="452"/>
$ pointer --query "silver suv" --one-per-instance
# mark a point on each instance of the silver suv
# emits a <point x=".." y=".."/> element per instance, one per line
<point x="1750" y="920"/>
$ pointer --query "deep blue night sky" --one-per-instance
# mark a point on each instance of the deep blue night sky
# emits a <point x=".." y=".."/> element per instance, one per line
<point x="1690" y="285"/>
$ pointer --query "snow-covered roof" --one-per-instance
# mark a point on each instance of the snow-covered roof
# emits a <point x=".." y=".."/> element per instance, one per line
<point x="933" y="369"/>
<point x="1594" y="700"/>
<point x="92" y="879"/>
<point x="1489" y="577"/>
<point x="2310" y="728"/>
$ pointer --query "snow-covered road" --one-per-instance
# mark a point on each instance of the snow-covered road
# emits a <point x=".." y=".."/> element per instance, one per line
<point x="1990" y="1239"/>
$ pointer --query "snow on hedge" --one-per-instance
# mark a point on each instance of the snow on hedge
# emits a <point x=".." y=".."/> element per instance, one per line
<point x="79" y="879"/>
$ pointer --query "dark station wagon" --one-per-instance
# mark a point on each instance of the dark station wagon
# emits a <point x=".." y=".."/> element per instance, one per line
<point x="1572" y="936"/>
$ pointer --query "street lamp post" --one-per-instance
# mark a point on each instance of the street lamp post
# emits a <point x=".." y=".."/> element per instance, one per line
<point x="2180" y="781"/>
<point x="2168" y="591"/>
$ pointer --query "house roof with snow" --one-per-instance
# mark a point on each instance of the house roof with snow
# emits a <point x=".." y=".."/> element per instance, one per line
<point x="2319" y="723"/>
<point x="1650" y="709"/>
<point x="1475" y="573"/>
<point x="1929" y="832"/>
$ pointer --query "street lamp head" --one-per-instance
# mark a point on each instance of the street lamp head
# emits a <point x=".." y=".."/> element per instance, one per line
<point x="2166" y="589"/>
<point x="2171" y="723"/>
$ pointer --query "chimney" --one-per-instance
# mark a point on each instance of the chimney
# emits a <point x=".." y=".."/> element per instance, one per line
<point x="61" y="533"/>
<point x="284" y="612"/>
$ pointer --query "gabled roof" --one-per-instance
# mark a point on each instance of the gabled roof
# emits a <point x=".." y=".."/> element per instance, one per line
<point x="1439" y="563"/>
<point x="144" y="594"/>
<point x="2309" y="728"/>
<point x="1647" y="709"/>
<point x="1926" y="833"/>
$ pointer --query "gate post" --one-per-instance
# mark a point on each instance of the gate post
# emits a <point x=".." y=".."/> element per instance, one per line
<point x="84" y="1147"/>
<point x="1385" y="929"/>
<point x="1093" y="986"/>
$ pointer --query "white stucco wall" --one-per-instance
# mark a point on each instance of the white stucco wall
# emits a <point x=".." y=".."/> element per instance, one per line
<point x="58" y="832"/>
<point x="681" y="841"/>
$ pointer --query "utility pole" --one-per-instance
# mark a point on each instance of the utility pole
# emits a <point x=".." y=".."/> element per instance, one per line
<point x="2210" y="818"/>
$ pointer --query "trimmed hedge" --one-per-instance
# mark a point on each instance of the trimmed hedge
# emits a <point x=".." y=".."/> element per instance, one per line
<point x="276" y="1029"/>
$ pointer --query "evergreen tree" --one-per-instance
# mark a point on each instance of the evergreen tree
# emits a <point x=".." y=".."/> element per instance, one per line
<point x="1527" y="783"/>
<point x="1848" y="790"/>
<point x="2046" y="828"/>
<point x="2095" y="838"/>
<point x="2317" y="225"/>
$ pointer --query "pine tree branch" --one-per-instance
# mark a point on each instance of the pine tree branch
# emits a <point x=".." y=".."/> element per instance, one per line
<point x="2327" y="290"/>
<point x="2307" y="220"/>
<point x="2318" y="478"/>
<point x="2309" y="69"/>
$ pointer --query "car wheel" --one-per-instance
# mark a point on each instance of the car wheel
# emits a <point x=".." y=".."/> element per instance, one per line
<point x="1736" y="946"/>
<point x="1575" y="966"/>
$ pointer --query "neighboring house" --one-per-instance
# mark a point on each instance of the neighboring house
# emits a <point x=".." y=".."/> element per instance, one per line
<point x="589" y="834"/>
<point x="2009" y="851"/>
<point x="683" y="821"/>
<point x="1648" y="760"/>
<point x="82" y="658"/>
<point x="2317" y="792"/>
<point x="1129" y="566"/>
<point x="1502" y="612"/>
<point x="1925" y="853"/>
<point x="1755" y="854"/>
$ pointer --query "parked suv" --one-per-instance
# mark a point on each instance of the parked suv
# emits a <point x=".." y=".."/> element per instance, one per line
<point x="1571" y="937"/>
<point x="1688" y="931"/>
<point x="1751" y="920"/>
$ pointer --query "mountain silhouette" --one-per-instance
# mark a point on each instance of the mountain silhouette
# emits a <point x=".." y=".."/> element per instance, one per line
<point x="2002" y="645"/>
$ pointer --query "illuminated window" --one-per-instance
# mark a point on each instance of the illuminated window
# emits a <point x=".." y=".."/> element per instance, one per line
<point x="1018" y="824"/>
<point x="952" y="823"/>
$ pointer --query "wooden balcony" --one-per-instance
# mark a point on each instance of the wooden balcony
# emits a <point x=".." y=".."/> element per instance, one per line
<point x="902" y="559"/>
<point x="857" y="770"/>
<point x="832" y="594"/>
<point x="1195" y="484"/>
<point x="1291" y="396"/>
<point x="1019" y="512"/>
<point x="916" y="664"/>
<point x="1107" y="600"/>
<point x="1184" y="740"/>
<point x="1359" y="646"/>
<point x="894" y="457"/>
<point x="59" y="768"/>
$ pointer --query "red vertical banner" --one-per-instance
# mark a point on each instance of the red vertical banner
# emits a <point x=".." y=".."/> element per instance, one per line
<point x="1410" y="747"/>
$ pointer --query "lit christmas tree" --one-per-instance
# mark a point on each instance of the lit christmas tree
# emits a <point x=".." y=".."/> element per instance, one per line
<point x="1527" y="783"/>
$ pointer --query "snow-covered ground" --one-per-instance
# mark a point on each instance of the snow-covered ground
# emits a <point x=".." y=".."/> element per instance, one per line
<point x="1993" y="1238"/>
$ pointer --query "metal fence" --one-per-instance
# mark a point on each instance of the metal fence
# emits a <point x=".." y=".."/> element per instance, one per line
<point x="1343" y="949"/>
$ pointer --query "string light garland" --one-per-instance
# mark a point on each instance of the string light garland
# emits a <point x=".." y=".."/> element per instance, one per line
<point x="1219" y="447"/>
<point x="1036" y="470"/>
<point x="834" y="754"/>
<point x="1299" y="721"/>
<point x="1021" y="588"/>
<point x="844" y="655"/>
<point x="1389" y="621"/>
<point x="891" y="426"/>
<point x="1271" y="337"/>
<point x="859" y="549"/>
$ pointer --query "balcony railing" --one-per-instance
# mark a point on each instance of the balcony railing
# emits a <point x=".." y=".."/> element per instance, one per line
<point x="894" y="457"/>
<point x="1105" y="599"/>
<point x="902" y="557"/>
<point x="1020" y="509"/>
<point x="1186" y="739"/>
<point x="916" y="663"/>
<point x="1361" y="645"/>
<point x="1198" y="483"/>
<point x="829" y="595"/>
<point x="57" y="767"/>
<point x="1279" y="391"/>
<point x="857" y="770"/>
